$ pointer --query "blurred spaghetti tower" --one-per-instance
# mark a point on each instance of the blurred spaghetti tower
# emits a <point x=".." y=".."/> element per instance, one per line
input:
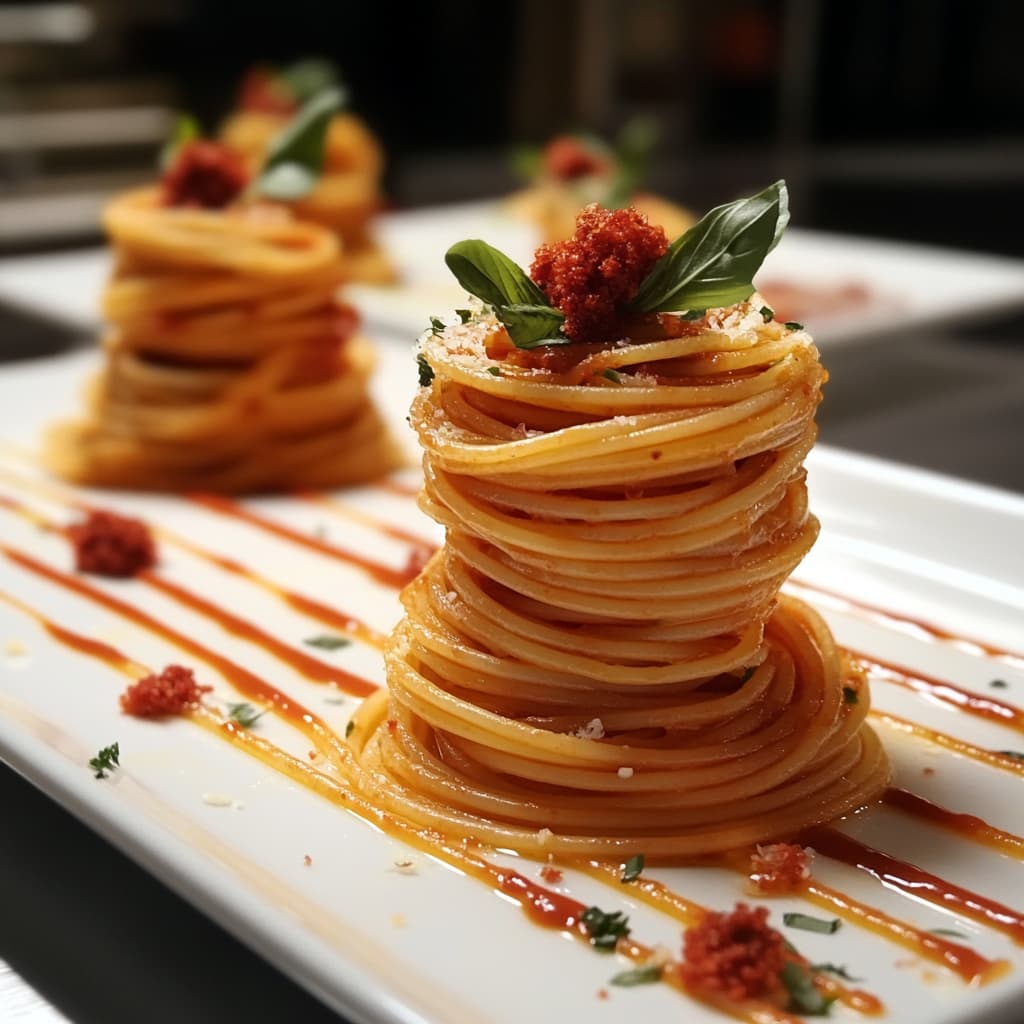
<point x="599" y="662"/>
<point x="230" y="363"/>
<point x="348" y="195"/>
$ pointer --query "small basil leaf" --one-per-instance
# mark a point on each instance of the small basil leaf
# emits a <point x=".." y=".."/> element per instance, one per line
<point x="306" y="77"/>
<point x="299" y="148"/>
<point x="713" y="264"/>
<point x="531" y="326"/>
<point x="637" y="976"/>
<point x="490" y="275"/>
<point x="186" y="128"/>
<point x="803" y="996"/>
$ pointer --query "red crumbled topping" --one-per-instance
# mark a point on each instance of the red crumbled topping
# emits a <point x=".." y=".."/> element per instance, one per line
<point x="111" y="545"/>
<point x="591" y="276"/>
<point x="264" y="92"/>
<point x="550" y="874"/>
<point x="779" y="867"/>
<point x="204" y="174"/>
<point x="566" y="158"/>
<point x="173" y="692"/>
<point x="734" y="953"/>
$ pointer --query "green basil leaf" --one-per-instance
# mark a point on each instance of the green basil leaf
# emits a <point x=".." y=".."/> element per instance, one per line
<point x="632" y="868"/>
<point x="811" y="924"/>
<point x="327" y="641"/>
<point x="803" y="996"/>
<point x="531" y="326"/>
<point x="490" y="275"/>
<point x="296" y="156"/>
<point x="186" y="128"/>
<point x="637" y="976"/>
<point x="714" y="263"/>
<point x="306" y="77"/>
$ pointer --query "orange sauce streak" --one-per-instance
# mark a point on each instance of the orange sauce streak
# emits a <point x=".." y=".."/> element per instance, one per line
<point x="364" y="519"/>
<point x="994" y="758"/>
<point x="966" y="825"/>
<point x="242" y="679"/>
<point x="963" y="961"/>
<point x="909" y="623"/>
<point x="342" y="621"/>
<point x="380" y="572"/>
<point x="986" y="707"/>
<point x="916" y="882"/>
<point x="339" y="620"/>
<point x="310" y="667"/>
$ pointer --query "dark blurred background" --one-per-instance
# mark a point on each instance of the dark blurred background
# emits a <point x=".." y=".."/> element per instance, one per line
<point x="900" y="118"/>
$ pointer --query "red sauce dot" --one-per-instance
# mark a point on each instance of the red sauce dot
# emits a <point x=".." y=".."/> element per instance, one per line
<point x="602" y="993"/>
<point x="173" y="692"/>
<point x="307" y="860"/>
<point x="107" y="544"/>
<point x="779" y="868"/>
<point x="203" y="174"/>
<point x="550" y="874"/>
<point x="734" y="953"/>
<point x="593" y="275"/>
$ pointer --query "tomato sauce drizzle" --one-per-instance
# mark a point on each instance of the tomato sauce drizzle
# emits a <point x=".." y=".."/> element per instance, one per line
<point x="914" y="881"/>
<point x="966" y="825"/>
<point x="378" y="571"/>
<point x="909" y="624"/>
<point x="976" y="704"/>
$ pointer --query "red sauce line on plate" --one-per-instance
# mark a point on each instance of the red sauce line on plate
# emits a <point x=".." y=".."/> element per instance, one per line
<point x="916" y="882"/>
<point x="364" y="519"/>
<point x="967" y="826"/>
<point x="906" y="623"/>
<point x="380" y="572"/>
<point x="975" y="704"/>
<point x="994" y="758"/>
<point x="244" y="680"/>
<point x="310" y="667"/>
<point x="329" y="616"/>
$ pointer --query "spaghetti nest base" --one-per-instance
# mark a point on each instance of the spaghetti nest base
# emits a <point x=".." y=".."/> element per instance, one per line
<point x="598" y="662"/>
<point x="230" y="364"/>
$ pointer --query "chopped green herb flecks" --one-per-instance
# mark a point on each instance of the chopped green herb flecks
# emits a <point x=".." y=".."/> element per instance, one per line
<point x="426" y="371"/>
<point x="793" y="325"/>
<point x="604" y="929"/>
<point x="767" y="314"/>
<point x="638" y="976"/>
<point x="632" y="868"/>
<point x="327" y="641"/>
<point x="464" y="315"/>
<point x="350" y="728"/>
<point x="803" y="996"/>
<point x="811" y="924"/>
<point x="106" y="760"/>
<point x="951" y="933"/>
<point x="850" y="695"/>
<point x="437" y="326"/>
<point x="244" y="714"/>
<point x="494" y="371"/>
<point x="613" y="376"/>
<point x="1017" y="755"/>
<point x="999" y="684"/>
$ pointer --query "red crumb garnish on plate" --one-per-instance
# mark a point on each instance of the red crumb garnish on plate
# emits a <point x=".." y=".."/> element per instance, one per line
<point x="593" y="275"/>
<point x="567" y="158"/>
<point x="550" y="874"/>
<point x="307" y="860"/>
<point x="602" y="993"/>
<point x="779" y="868"/>
<point x="107" y="544"/>
<point x="203" y="174"/>
<point x="735" y="953"/>
<point x="173" y="692"/>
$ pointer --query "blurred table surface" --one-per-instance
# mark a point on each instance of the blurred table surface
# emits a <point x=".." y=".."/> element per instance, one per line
<point x="87" y="934"/>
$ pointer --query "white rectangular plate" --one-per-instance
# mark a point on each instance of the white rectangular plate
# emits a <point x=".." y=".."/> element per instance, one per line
<point x="910" y="286"/>
<point x="385" y="946"/>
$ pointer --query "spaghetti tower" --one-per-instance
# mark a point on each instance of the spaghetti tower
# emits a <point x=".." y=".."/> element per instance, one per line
<point x="230" y="365"/>
<point x="599" y="662"/>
